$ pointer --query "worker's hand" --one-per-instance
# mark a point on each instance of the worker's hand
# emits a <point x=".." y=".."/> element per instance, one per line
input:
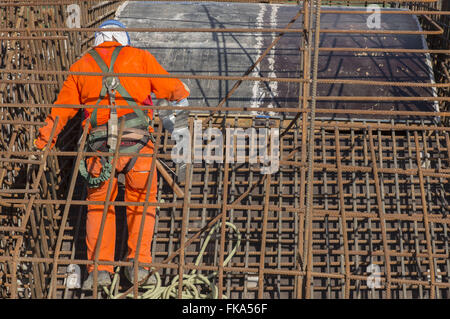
<point x="181" y="116"/>
<point x="167" y="116"/>
<point x="168" y="119"/>
<point x="180" y="127"/>
<point x="174" y="119"/>
<point x="34" y="148"/>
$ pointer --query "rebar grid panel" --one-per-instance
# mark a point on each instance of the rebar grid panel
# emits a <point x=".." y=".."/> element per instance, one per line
<point x="379" y="190"/>
<point x="404" y="231"/>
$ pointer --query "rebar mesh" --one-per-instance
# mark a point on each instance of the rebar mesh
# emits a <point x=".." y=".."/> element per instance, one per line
<point x="379" y="189"/>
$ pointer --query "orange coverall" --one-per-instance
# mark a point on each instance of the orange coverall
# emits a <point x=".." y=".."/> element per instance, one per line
<point x="80" y="89"/>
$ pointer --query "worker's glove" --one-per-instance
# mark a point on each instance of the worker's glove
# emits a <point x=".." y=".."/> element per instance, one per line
<point x="180" y="127"/>
<point x="34" y="148"/>
<point x="167" y="116"/>
<point x="181" y="116"/>
<point x="171" y="118"/>
<point x="176" y="122"/>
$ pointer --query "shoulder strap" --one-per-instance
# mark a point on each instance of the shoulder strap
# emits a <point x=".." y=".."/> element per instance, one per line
<point x="105" y="69"/>
<point x="102" y="65"/>
<point x="121" y="89"/>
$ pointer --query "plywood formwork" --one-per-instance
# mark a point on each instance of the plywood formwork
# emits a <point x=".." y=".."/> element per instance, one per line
<point x="352" y="203"/>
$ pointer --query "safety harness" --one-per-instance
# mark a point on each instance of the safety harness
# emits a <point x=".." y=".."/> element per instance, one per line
<point x="103" y="138"/>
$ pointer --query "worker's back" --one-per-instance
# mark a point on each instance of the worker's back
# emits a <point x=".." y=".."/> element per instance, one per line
<point x="130" y="60"/>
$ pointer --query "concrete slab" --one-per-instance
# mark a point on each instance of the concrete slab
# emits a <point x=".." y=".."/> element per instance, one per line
<point x="232" y="54"/>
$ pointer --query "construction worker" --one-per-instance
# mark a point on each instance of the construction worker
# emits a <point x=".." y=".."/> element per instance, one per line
<point x="112" y="53"/>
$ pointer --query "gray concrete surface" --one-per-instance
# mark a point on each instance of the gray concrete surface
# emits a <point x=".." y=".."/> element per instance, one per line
<point x="233" y="53"/>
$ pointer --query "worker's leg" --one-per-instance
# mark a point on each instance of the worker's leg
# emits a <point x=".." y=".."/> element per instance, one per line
<point x="135" y="191"/>
<point x="93" y="223"/>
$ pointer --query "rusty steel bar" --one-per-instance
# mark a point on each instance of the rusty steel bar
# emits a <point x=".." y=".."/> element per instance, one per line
<point x="319" y="212"/>
<point x="384" y="50"/>
<point x="223" y="218"/>
<point x="233" y="109"/>
<point x="234" y="269"/>
<point x="227" y="269"/>
<point x="28" y="210"/>
<point x="304" y="91"/>
<point x="60" y="2"/>
<point x="327" y="11"/>
<point x="225" y="30"/>
<point x="439" y="173"/>
<point x="261" y="271"/>
<point x="409" y="12"/>
<point x="227" y="77"/>
<point x="46" y="38"/>
<point x="269" y="271"/>
<point x="38" y="177"/>
<point x="8" y="154"/>
<point x="52" y="289"/>
<point x="380" y="206"/>
<point x="425" y="216"/>
<point x="186" y="207"/>
<point x="106" y="207"/>
<point x="308" y="254"/>
<point x="144" y="213"/>
<point x="166" y="30"/>
<point x="343" y="215"/>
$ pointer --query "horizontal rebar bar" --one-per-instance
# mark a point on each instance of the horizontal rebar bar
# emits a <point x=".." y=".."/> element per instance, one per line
<point x="242" y="78"/>
<point x="221" y="30"/>
<point x="58" y="2"/>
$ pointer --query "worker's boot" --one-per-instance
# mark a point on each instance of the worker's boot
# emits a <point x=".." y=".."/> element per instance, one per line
<point x="103" y="279"/>
<point x="142" y="274"/>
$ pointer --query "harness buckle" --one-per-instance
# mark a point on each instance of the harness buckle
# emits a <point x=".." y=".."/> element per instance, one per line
<point x="111" y="83"/>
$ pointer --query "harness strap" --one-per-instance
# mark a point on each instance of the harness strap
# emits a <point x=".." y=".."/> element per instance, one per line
<point x="129" y="165"/>
<point x="133" y="125"/>
<point x="120" y="88"/>
<point x="105" y="69"/>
